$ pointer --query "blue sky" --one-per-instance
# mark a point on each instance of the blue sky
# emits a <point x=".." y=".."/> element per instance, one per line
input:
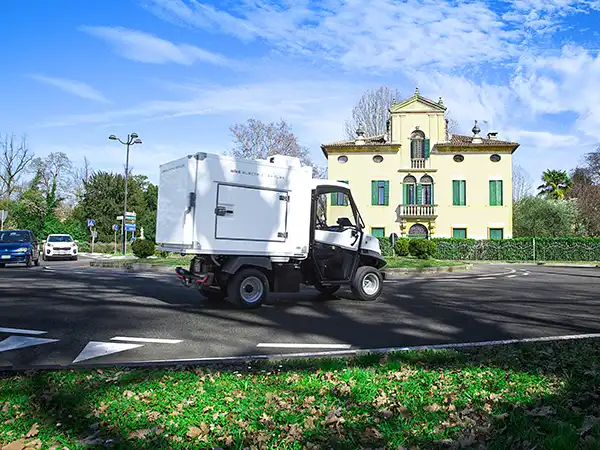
<point x="181" y="72"/>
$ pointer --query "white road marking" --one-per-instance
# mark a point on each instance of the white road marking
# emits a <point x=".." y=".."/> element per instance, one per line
<point x="96" y="349"/>
<point x="248" y="358"/>
<point x="511" y="276"/>
<point x="16" y="342"/>
<point x="147" y="340"/>
<point x="485" y="278"/>
<point x="21" y="331"/>
<point x="282" y="345"/>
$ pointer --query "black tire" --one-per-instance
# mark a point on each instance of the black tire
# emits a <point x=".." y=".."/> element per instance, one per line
<point x="251" y="278"/>
<point x="365" y="276"/>
<point x="74" y="258"/>
<point x="213" y="293"/>
<point x="327" y="290"/>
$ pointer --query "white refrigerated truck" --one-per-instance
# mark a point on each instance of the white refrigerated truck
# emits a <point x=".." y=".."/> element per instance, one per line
<point x="260" y="226"/>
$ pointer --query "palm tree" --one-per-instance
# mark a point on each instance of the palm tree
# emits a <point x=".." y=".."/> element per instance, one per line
<point x="556" y="184"/>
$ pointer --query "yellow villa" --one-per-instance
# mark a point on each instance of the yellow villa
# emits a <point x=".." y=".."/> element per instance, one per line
<point x="417" y="180"/>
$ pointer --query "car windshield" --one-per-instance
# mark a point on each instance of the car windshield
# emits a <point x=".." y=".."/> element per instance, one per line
<point x="60" y="239"/>
<point x="14" y="236"/>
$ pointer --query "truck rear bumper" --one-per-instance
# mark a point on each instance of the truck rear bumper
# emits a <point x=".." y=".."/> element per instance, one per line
<point x="194" y="279"/>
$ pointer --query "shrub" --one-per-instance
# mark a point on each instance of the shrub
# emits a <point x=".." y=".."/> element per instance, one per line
<point x="401" y="247"/>
<point x="143" y="248"/>
<point x="386" y="247"/>
<point x="422" y="248"/>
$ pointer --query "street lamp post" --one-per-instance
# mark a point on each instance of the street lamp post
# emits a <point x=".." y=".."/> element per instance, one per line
<point x="132" y="139"/>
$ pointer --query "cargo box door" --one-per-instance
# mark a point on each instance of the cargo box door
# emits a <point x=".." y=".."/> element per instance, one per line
<point x="175" y="217"/>
<point x="251" y="214"/>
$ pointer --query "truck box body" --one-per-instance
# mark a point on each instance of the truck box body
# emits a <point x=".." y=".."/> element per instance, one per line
<point x="219" y="205"/>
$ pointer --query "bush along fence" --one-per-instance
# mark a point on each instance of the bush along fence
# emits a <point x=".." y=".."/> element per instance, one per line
<point x="520" y="249"/>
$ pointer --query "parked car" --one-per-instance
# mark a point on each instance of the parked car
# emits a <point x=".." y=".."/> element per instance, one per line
<point x="60" y="246"/>
<point x="19" y="247"/>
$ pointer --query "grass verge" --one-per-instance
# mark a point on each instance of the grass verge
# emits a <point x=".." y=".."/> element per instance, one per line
<point x="414" y="263"/>
<point x="517" y="396"/>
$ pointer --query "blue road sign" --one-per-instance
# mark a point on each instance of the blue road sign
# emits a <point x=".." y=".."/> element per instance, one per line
<point x="130" y="227"/>
<point x="91" y="222"/>
<point x="115" y="227"/>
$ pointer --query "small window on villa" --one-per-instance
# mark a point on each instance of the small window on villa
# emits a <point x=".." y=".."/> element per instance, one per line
<point x="459" y="158"/>
<point x="377" y="158"/>
<point x="495" y="158"/>
<point x="343" y="159"/>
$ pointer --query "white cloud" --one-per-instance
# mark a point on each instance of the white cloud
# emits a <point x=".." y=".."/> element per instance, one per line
<point x="147" y="48"/>
<point x="76" y="88"/>
<point x="382" y="35"/>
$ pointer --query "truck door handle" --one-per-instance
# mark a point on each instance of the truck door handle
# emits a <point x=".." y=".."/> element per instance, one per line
<point x="222" y="210"/>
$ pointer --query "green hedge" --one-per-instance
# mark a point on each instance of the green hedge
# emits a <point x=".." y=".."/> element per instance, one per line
<point x="520" y="249"/>
<point x="385" y="246"/>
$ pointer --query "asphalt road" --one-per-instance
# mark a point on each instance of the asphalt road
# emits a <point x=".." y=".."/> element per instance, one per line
<point x="67" y="311"/>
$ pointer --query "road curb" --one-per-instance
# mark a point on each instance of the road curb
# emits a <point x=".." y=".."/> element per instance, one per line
<point x="396" y="273"/>
<point x="132" y="266"/>
<point x="586" y="266"/>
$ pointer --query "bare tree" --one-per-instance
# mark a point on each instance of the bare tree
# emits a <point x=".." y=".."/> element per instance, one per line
<point x="521" y="183"/>
<point x="592" y="165"/>
<point x="258" y="140"/>
<point x="81" y="176"/>
<point x="371" y="111"/>
<point x="55" y="175"/>
<point x="14" y="160"/>
<point x="453" y="126"/>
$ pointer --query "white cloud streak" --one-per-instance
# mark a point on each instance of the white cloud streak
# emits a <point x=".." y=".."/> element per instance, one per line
<point x="147" y="48"/>
<point x="73" y="87"/>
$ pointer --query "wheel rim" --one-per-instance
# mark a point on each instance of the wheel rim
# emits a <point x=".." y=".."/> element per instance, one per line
<point x="370" y="284"/>
<point x="251" y="290"/>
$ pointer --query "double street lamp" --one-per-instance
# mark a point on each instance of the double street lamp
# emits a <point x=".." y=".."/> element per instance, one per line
<point x="132" y="139"/>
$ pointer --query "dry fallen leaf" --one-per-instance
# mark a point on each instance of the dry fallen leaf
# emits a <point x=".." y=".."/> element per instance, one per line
<point x="36" y="444"/>
<point x="308" y="401"/>
<point x="15" y="445"/>
<point x="433" y="408"/>
<point x="5" y="407"/>
<point x="139" y="434"/>
<point x="200" y="432"/>
<point x="128" y="394"/>
<point x="387" y="413"/>
<point x="33" y="431"/>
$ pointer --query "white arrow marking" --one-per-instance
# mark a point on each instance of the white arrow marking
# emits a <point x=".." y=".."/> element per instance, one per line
<point x="15" y="342"/>
<point x="95" y="349"/>
<point x="20" y="331"/>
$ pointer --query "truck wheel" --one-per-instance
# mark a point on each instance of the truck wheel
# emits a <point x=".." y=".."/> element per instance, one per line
<point x="248" y="287"/>
<point x="327" y="290"/>
<point x="367" y="283"/>
<point x="212" y="293"/>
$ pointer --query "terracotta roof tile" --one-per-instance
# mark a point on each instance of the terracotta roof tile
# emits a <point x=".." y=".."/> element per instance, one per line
<point x="459" y="140"/>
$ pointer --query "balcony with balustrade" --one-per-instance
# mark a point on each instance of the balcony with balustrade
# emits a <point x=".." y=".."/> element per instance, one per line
<point x="416" y="211"/>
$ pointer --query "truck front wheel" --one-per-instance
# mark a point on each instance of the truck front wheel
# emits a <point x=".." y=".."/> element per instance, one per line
<point x="248" y="287"/>
<point x="367" y="283"/>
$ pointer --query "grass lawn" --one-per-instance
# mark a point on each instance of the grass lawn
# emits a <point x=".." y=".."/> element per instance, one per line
<point x="519" y="396"/>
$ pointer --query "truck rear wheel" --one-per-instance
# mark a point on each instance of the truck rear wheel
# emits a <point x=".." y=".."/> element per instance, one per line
<point x="367" y="283"/>
<point x="248" y="287"/>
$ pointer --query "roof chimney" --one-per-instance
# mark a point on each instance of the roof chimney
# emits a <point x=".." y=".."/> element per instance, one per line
<point x="360" y="135"/>
<point x="476" y="138"/>
<point x="493" y="135"/>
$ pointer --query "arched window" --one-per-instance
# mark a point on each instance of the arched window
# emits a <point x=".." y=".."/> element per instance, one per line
<point x="409" y="190"/>
<point x="417" y="145"/>
<point x="425" y="190"/>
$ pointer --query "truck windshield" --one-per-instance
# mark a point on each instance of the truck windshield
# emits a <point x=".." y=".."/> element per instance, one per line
<point x="60" y="239"/>
<point x="14" y="236"/>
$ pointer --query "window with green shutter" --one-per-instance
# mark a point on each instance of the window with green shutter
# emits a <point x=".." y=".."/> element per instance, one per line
<point x="419" y="194"/>
<point x="496" y="234"/>
<point x="496" y="193"/>
<point x="377" y="232"/>
<point x="459" y="233"/>
<point x="459" y="197"/>
<point x="339" y="198"/>
<point x="380" y="193"/>
<point x="427" y="148"/>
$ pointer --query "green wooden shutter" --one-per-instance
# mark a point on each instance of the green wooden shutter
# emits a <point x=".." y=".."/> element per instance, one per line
<point x="345" y="197"/>
<point x="463" y="193"/>
<point x="493" y="194"/>
<point x="386" y="193"/>
<point x="419" y="194"/>
<point x="374" y="192"/>
<point x="427" y="148"/>
<point x="378" y="232"/>
<point x="432" y="195"/>
<point x="496" y="233"/>
<point x="334" y="198"/>
<point x="499" y="199"/>
<point x="455" y="192"/>
<point x="459" y="233"/>
<point x="405" y="194"/>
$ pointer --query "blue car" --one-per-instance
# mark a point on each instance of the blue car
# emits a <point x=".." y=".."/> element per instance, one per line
<point x="19" y="247"/>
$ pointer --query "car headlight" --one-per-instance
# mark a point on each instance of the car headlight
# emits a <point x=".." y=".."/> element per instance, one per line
<point x="49" y="245"/>
<point x="21" y="250"/>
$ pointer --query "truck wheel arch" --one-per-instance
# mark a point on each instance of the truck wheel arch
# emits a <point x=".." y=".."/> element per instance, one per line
<point x="235" y="264"/>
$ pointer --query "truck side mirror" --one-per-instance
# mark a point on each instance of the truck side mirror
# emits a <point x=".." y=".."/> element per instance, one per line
<point x="344" y="222"/>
